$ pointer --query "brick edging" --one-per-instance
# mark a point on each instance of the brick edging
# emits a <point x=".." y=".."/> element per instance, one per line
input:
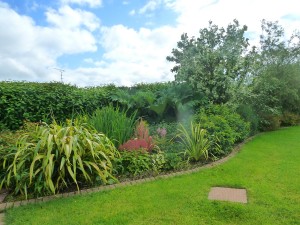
<point x="7" y="205"/>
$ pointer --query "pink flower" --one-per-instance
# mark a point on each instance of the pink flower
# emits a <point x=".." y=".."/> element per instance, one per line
<point x="162" y="132"/>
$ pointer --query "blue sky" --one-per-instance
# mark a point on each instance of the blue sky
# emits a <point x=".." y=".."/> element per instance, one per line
<point x="123" y="42"/>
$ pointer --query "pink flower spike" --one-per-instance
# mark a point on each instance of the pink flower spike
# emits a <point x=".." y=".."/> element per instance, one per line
<point x="163" y="132"/>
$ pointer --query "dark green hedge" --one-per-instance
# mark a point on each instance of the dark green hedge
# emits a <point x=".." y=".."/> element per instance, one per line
<point x="30" y="101"/>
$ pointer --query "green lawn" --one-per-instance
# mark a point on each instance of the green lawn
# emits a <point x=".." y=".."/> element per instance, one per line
<point x="268" y="167"/>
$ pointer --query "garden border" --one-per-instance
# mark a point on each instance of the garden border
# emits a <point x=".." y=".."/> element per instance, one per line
<point x="8" y="205"/>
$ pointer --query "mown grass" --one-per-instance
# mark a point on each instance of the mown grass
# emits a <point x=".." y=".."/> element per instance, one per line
<point x="268" y="167"/>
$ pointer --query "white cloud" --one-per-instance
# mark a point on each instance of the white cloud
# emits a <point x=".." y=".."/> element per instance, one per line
<point x="27" y="50"/>
<point x="68" y="18"/>
<point x="193" y="15"/>
<point x="130" y="56"/>
<point x="133" y="56"/>
<point x="18" y="54"/>
<point x="91" y="3"/>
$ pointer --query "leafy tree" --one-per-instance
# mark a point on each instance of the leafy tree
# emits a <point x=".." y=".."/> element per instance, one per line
<point x="275" y="85"/>
<point x="275" y="48"/>
<point x="215" y="63"/>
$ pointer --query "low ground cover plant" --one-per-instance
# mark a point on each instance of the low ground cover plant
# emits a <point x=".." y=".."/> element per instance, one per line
<point x="139" y="163"/>
<point x="133" y="163"/>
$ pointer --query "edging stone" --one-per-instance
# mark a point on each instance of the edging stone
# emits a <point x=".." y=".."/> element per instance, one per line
<point x="1" y="218"/>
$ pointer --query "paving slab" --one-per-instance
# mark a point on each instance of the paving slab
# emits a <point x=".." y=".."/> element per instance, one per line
<point x="228" y="194"/>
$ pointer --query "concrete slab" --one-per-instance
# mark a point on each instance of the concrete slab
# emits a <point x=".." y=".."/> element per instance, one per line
<point x="228" y="194"/>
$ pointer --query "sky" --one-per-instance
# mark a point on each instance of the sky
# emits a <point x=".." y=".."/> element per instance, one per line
<point x="121" y="42"/>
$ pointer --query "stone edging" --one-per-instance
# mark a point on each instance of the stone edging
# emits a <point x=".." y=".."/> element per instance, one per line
<point x="7" y="205"/>
<point x="1" y="218"/>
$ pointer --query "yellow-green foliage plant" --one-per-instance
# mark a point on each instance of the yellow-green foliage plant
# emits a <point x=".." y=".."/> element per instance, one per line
<point x="55" y="157"/>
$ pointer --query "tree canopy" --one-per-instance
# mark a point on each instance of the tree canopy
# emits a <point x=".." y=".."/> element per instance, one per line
<point x="213" y="63"/>
<point x="221" y="65"/>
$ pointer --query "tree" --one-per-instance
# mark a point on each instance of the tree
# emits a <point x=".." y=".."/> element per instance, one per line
<point x="279" y="60"/>
<point x="275" y="86"/>
<point x="215" y="63"/>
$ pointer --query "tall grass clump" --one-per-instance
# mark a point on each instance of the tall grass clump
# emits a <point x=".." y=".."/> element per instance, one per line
<point x="54" y="157"/>
<point x="113" y="123"/>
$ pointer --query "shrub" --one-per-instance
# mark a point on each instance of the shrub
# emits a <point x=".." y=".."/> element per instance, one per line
<point x="136" y="144"/>
<point x="173" y="161"/>
<point x="248" y="114"/>
<point x="269" y="122"/>
<point x="133" y="163"/>
<point x="113" y="123"/>
<point x="139" y="163"/>
<point x="224" y="125"/>
<point x="54" y="157"/>
<point x="158" y="161"/>
<point x="289" y="119"/>
<point x="141" y="141"/>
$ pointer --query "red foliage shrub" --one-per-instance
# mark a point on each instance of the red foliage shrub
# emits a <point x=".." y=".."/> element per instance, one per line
<point x="137" y="144"/>
<point x="142" y="139"/>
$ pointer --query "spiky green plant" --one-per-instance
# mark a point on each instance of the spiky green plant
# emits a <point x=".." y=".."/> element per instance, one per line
<point x="54" y="157"/>
<point x="195" y="142"/>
